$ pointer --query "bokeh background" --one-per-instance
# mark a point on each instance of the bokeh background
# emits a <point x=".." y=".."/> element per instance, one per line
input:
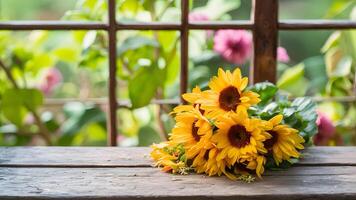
<point x="62" y="75"/>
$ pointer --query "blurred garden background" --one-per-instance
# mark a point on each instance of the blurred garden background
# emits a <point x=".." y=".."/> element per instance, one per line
<point x="53" y="84"/>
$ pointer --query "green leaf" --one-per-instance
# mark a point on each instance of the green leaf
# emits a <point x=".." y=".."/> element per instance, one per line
<point x="217" y="8"/>
<point x="38" y="62"/>
<point x="143" y="86"/>
<point x="67" y="54"/>
<point x="90" y="114"/>
<point x="293" y="81"/>
<point x="89" y="39"/>
<point x="266" y="90"/>
<point x="17" y="102"/>
<point x="337" y="7"/>
<point x="147" y="136"/>
<point x="82" y="116"/>
<point x="332" y="41"/>
<point x="337" y="64"/>
<point x="136" y="42"/>
<point x="32" y="98"/>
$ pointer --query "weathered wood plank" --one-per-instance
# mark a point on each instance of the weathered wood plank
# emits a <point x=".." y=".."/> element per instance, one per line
<point x="265" y="38"/>
<point x="150" y="183"/>
<point x="138" y="157"/>
<point x="74" y="156"/>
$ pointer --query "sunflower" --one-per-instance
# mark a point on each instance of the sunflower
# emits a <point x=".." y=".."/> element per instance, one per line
<point x="239" y="136"/>
<point x="285" y="141"/>
<point x="255" y="163"/>
<point x="227" y="94"/>
<point x="193" y="96"/>
<point x="190" y="98"/>
<point x="168" y="159"/>
<point x="206" y="162"/>
<point x="193" y="131"/>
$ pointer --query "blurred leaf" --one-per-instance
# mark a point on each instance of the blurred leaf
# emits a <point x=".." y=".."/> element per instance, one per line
<point x="147" y="136"/>
<point x="266" y="90"/>
<point x="38" y="62"/>
<point x="92" y="134"/>
<point x="332" y="41"/>
<point x="337" y="64"/>
<point x="136" y="42"/>
<point x="216" y="8"/>
<point x="38" y="37"/>
<point x="293" y="81"/>
<point x="143" y="86"/>
<point x="67" y="54"/>
<point x="16" y="102"/>
<point x="49" y="121"/>
<point x="93" y="57"/>
<point x="89" y="39"/>
<point x="315" y="72"/>
<point x="32" y="98"/>
<point x="338" y="7"/>
<point x="88" y="114"/>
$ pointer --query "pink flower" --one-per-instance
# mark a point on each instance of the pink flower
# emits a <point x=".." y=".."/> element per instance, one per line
<point x="50" y="79"/>
<point x="198" y="16"/>
<point x="234" y="46"/>
<point x="326" y="129"/>
<point x="282" y="55"/>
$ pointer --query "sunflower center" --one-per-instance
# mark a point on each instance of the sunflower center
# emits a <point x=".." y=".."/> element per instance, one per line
<point x="206" y="155"/>
<point x="229" y="98"/>
<point x="239" y="136"/>
<point x="269" y="143"/>
<point x="195" y="131"/>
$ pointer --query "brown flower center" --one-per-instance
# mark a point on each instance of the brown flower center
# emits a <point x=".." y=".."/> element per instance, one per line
<point x="269" y="143"/>
<point x="195" y="131"/>
<point x="238" y="136"/>
<point x="206" y="155"/>
<point x="229" y="98"/>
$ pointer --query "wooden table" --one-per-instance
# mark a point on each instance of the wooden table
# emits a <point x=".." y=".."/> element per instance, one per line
<point x="126" y="173"/>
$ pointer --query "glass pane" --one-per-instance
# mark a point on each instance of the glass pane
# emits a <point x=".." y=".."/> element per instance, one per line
<point x="148" y="69"/>
<point x="86" y="10"/>
<point x="220" y="10"/>
<point x="54" y="71"/>
<point x="321" y="64"/>
<point x="148" y="11"/>
<point x="315" y="9"/>
<point x="209" y="50"/>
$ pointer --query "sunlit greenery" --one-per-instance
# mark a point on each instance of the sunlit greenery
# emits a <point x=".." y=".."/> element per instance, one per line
<point x="38" y="68"/>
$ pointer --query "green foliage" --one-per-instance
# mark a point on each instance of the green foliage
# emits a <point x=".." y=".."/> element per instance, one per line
<point x="147" y="135"/>
<point x="148" y="67"/>
<point x="293" y="81"/>
<point x="16" y="103"/>
<point x="79" y="116"/>
<point x="300" y="114"/>
<point x="266" y="91"/>
<point x="143" y="85"/>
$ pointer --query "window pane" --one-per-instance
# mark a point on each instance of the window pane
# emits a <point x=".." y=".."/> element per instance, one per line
<point x="148" y="11"/>
<point x="220" y="10"/>
<point x="321" y="64"/>
<point x="209" y="50"/>
<point x="55" y="71"/>
<point x="315" y="9"/>
<point x="86" y="10"/>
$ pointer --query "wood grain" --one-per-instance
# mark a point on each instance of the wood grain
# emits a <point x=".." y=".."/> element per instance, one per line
<point x="150" y="183"/>
<point x="139" y="156"/>
<point x="265" y="35"/>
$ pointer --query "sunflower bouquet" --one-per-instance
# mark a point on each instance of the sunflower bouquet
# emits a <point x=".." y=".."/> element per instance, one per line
<point x="235" y="130"/>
